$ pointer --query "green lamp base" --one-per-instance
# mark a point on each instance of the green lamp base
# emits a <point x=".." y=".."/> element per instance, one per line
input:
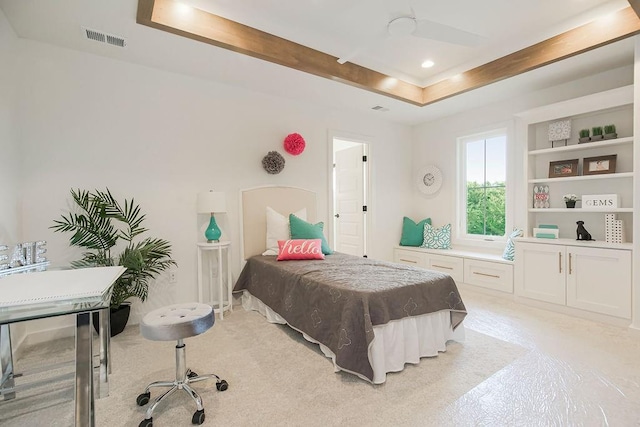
<point x="212" y="233"/>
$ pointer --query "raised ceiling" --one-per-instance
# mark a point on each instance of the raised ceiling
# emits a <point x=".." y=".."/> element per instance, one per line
<point x="402" y="27"/>
<point x="338" y="28"/>
<point x="176" y="17"/>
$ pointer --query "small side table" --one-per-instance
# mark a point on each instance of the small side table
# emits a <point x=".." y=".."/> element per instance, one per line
<point x="212" y="248"/>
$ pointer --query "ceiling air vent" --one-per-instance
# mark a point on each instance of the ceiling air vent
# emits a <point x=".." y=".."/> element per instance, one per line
<point x="103" y="37"/>
<point x="379" y="108"/>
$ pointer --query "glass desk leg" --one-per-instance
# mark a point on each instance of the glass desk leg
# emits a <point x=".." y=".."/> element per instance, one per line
<point x="6" y="362"/>
<point x="84" y="411"/>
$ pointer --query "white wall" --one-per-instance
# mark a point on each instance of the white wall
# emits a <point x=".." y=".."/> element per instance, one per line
<point x="9" y="155"/>
<point x="435" y="142"/>
<point x="635" y="303"/>
<point x="92" y="122"/>
<point x="10" y="182"/>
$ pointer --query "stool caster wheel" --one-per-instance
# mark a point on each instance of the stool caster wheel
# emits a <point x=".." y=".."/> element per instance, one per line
<point x="143" y="399"/>
<point x="198" y="417"/>
<point x="146" y="423"/>
<point x="191" y="374"/>
<point x="222" y="385"/>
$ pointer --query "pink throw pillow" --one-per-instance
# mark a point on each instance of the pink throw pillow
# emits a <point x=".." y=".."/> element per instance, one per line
<point x="300" y="249"/>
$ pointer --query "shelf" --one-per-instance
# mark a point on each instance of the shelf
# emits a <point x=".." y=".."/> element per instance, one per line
<point x="581" y="210"/>
<point x="583" y="177"/>
<point x="573" y="242"/>
<point x="585" y="146"/>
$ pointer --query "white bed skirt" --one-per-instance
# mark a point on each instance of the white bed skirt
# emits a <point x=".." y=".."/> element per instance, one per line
<point x="396" y="343"/>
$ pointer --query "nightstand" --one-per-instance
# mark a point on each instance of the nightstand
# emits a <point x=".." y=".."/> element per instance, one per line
<point x="213" y="253"/>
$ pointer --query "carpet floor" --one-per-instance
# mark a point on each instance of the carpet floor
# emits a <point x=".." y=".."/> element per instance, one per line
<point x="516" y="367"/>
<point x="275" y="378"/>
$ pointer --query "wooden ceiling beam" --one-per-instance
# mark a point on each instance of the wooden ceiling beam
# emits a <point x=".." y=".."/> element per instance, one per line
<point x="635" y="4"/>
<point x="622" y="24"/>
<point x="221" y="32"/>
<point x="218" y="31"/>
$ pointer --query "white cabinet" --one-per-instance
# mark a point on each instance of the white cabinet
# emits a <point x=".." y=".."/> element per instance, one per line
<point x="600" y="280"/>
<point x="540" y="272"/>
<point x="451" y="265"/>
<point x="409" y="257"/>
<point x="596" y="279"/>
<point x="487" y="274"/>
<point x="473" y="268"/>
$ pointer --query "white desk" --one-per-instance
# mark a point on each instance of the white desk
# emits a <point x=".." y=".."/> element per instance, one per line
<point x="216" y="249"/>
<point x="26" y="296"/>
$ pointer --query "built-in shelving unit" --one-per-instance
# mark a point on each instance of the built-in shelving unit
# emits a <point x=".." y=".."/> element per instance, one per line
<point x="600" y="109"/>
<point x="590" y="277"/>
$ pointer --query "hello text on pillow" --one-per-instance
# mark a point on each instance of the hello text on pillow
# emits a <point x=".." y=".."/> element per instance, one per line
<point x="298" y="249"/>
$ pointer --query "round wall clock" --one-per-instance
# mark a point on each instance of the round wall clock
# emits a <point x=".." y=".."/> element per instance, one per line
<point x="429" y="179"/>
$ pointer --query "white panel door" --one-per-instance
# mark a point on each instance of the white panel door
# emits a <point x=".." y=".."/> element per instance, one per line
<point x="349" y="219"/>
<point x="540" y="272"/>
<point x="599" y="280"/>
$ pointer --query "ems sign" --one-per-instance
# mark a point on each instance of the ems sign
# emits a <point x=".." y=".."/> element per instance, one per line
<point x="600" y="201"/>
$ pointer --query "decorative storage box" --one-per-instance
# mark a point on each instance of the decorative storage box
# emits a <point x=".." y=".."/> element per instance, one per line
<point x="600" y="201"/>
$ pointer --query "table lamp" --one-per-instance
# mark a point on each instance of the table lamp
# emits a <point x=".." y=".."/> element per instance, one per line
<point x="212" y="202"/>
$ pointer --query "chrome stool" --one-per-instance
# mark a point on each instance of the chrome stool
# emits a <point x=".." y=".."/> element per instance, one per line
<point x="177" y="322"/>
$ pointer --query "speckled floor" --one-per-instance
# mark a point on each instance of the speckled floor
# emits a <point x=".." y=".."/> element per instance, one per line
<point x="518" y="366"/>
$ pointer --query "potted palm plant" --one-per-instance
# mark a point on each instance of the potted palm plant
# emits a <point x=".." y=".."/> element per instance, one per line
<point x="98" y="225"/>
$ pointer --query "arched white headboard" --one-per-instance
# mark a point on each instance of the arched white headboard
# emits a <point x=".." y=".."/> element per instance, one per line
<point x="254" y="202"/>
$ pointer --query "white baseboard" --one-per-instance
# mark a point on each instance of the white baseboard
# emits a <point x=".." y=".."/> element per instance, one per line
<point x="575" y="312"/>
<point x="634" y="331"/>
<point x="49" y="335"/>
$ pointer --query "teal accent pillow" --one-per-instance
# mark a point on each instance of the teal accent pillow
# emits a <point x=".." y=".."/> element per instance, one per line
<point x="412" y="233"/>
<point x="437" y="238"/>
<point x="510" y="250"/>
<point x="301" y="229"/>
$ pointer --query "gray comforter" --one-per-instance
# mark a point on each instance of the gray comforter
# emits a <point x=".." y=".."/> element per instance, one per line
<point x="337" y="301"/>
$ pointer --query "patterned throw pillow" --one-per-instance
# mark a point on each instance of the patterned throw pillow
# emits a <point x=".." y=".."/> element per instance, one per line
<point x="300" y="249"/>
<point x="437" y="238"/>
<point x="412" y="233"/>
<point x="510" y="250"/>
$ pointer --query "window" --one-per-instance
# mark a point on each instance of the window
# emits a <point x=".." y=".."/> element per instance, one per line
<point x="482" y="191"/>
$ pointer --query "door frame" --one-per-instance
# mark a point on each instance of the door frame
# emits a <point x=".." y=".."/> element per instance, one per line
<point x="367" y="142"/>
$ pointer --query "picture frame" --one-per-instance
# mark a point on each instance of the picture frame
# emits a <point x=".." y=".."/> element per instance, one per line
<point x="599" y="165"/>
<point x="563" y="168"/>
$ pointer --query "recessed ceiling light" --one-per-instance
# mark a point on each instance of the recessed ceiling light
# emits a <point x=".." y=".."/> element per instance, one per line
<point x="428" y="64"/>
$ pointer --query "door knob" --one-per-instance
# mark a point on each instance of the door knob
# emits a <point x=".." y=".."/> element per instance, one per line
<point x="337" y="215"/>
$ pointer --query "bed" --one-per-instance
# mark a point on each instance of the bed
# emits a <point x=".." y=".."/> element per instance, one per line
<point x="370" y="317"/>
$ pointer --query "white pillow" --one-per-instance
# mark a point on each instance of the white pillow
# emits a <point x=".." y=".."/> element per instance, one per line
<point x="278" y="228"/>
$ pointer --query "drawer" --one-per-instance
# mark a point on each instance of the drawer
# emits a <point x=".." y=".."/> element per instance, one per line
<point x="491" y="275"/>
<point x="416" y="259"/>
<point x="451" y="265"/>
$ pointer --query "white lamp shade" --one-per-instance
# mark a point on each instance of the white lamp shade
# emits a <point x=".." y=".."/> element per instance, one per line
<point x="211" y="202"/>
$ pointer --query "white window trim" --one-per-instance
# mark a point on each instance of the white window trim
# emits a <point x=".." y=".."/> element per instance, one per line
<point x="493" y="242"/>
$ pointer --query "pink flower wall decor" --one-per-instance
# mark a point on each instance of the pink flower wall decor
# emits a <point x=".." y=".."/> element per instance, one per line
<point x="294" y="144"/>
